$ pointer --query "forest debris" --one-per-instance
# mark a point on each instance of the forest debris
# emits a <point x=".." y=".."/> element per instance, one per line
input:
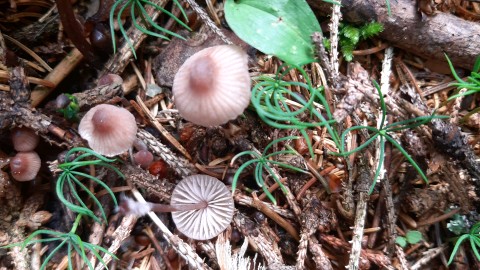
<point x="99" y="94"/>
<point x="275" y="217"/>
<point x="183" y="249"/>
<point x="364" y="182"/>
<point x="357" y="83"/>
<point x="366" y="255"/>
<point x="319" y="257"/>
<point x="162" y="130"/>
<point x="311" y="219"/>
<point x="180" y="165"/>
<point x="404" y="28"/>
<point x="450" y="141"/>
<point x="57" y="75"/>
<point x="160" y="188"/>
<point x="248" y="201"/>
<point x="262" y="243"/>
<point x="121" y="233"/>
<point x="428" y="256"/>
<point x="119" y="61"/>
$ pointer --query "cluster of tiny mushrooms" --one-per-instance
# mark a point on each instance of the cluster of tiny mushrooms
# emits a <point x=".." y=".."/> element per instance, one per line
<point x="210" y="88"/>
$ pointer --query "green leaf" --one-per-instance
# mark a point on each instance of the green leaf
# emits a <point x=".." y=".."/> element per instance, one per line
<point x="413" y="237"/>
<point x="281" y="28"/>
<point x="401" y="241"/>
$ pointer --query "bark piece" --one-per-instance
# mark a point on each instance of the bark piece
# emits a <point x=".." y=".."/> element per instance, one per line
<point x="436" y="35"/>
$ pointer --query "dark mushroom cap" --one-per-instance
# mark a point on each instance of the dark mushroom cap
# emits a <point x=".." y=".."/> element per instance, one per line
<point x="213" y="85"/>
<point x="109" y="130"/>
<point x="206" y="223"/>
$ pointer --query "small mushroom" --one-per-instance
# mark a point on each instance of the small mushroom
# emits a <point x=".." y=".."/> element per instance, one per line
<point x="24" y="166"/>
<point x="213" y="85"/>
<point x="202" y="207"/>
<point x="109" y="130"/>
<point x="143" y="158"/>
<point x="24" y="139"/>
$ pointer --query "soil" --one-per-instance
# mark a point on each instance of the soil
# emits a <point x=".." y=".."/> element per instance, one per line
<point x="322" y="210"/>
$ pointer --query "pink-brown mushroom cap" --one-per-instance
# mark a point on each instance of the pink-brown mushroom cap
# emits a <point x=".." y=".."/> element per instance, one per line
<point x="109" y="130"/>
<point x="24" y="166"/>
<point x="213" y="85"/>
<point x="206" y="223"/>
<point x="24" y="139"/>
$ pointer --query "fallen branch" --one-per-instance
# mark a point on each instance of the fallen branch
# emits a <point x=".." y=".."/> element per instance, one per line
<point x="404" y="28"/>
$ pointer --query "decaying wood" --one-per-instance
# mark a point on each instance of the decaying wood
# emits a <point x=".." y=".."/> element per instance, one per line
<point x="438" y="34"/>
<point x="263" y="244"/>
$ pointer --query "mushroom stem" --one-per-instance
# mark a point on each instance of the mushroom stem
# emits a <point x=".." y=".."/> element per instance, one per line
<point x="157" y="207"/>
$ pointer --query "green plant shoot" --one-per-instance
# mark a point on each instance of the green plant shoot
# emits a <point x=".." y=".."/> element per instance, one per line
<point x="70" y="178"/>
<point x="71" y="241"/>
<point x="473" y="81"/>
<point x="383" y="133"/>
<point x="473" y="237"/>
<point x="263" y="163"/>
<point x="138" y="7"/>
<point x="282" y="108"/>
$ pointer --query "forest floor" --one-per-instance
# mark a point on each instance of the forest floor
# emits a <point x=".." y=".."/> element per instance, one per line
<point x="408" y="198"/>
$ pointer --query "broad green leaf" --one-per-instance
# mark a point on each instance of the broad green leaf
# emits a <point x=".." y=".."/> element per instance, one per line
<point x="413" y="237"/>
<point x="281" y="27"/>
<point x="401" y="241"/>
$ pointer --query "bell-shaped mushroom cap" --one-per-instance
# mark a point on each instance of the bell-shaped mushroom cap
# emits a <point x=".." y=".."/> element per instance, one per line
<point x="213" y="85"/>
<point x="206" y="223"/>
<point x="24" y="139"/>
<point x="109" y="130"/>
<point x="24" y="166"/>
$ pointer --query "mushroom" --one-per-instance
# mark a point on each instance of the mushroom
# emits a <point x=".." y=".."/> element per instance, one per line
<point x="202" y="207"/>
<point x="109" y="130"/>
<point x="24" y="139"/>
<point x="143" y="158"/>
<point x="24" y="166"/>
<point x="213" y="85"/>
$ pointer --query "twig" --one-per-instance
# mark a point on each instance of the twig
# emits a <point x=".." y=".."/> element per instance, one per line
<point x="310" y="222"/>
<point x="391" y="216"/>
<point x="334" y="26"/>
<point x="427" y="257"/>
<point x="321" y="260"/>
<point x="248" y="201"/>
<point x="184" y="250"/>
<point x="401" y="257"/>
<point x="121" y="233"/>
<point x="180" y="165"/>
<point x="42" y="82"/>
<point x="56" y="76"/>
<point x="364" y="182"/>
<point x="206" y="19"/>
<point x="263" y="244"/>
<point x="162" y="130"/>
<point x="119" y="61"/>
<point x="275" y="217"/>
<point x="30" y="52"/>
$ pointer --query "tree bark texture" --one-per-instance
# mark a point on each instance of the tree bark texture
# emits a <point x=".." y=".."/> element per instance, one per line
<point x="437" y="34"/>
